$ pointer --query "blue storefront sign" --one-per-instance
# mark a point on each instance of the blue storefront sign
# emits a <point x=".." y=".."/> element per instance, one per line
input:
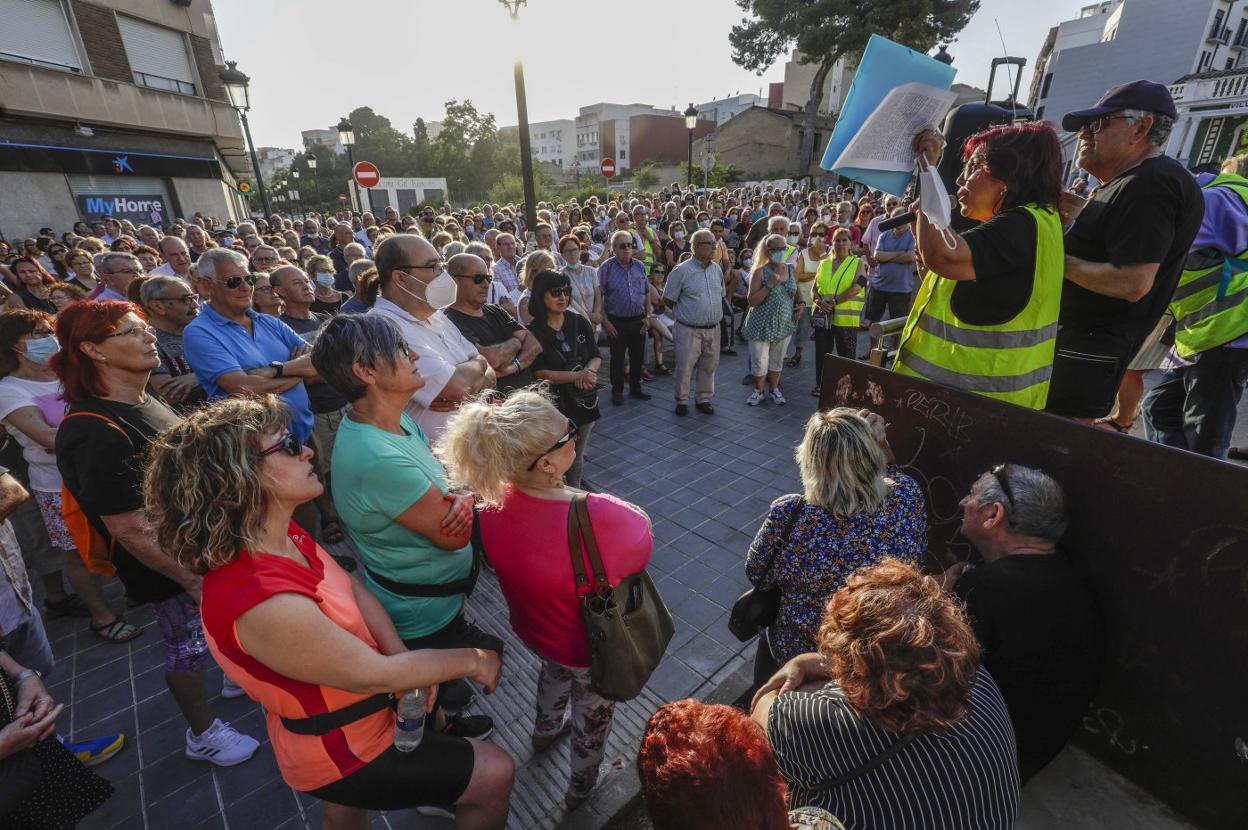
<point x="140" y="209"/>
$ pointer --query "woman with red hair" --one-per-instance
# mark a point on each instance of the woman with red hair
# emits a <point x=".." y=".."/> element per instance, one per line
<point x="893" y="722"/>
<point x="32" y="286"/>
<point x="985" y="318"/>
<point x="707" y="767"/>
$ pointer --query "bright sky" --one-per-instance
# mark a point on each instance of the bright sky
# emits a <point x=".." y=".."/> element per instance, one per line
<point x="311" y="63"/>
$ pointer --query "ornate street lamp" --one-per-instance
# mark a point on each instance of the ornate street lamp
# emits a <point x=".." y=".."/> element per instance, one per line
<point x="691" y="121"/>
<point x="237" y="88"/>
<point x="346" y="135"/>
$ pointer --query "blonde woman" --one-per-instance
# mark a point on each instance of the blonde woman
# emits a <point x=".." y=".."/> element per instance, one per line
<point x="854" y="509"/>
<point x="269" y="590"/>
<point x="770" y="321"/>
<point x="514" y="455"/>
<point x="532" y="265"/>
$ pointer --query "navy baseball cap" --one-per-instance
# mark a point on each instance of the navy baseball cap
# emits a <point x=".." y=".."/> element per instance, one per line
<point x="1136" y="95"/>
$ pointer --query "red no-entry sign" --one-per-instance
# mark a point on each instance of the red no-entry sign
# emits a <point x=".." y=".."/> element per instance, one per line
<point x="607" y="168"/>
<point x="366" y="174"/>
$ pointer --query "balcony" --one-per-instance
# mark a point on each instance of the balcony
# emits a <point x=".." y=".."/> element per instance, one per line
<point x="1219" y="35"/>
<point x="1241" y="41"/>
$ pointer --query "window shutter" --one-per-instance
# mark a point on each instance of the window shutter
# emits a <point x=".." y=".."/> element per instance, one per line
<point x="37" y="31"/>
<point x="157" y="55"/>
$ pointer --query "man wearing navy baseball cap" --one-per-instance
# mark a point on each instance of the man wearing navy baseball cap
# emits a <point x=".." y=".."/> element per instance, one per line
<point x="1125" y="245"/>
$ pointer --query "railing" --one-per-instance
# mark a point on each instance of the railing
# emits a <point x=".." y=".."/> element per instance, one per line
<point x="1219" y="35"/>
<point x="1177" y="91"/>
<point x="1240" y="42"/>
<point x="161" y="82"/>
<point x="1234" y="86"/>
<point x="881" y="354"/>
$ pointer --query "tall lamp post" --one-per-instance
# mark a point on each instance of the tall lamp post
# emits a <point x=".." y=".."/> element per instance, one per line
<point x="347" y="136"/>
<point x="236" y="87"/>
<point x="312" y="167"/>
<point x="691" y="121"/>
<point x="522" y="113"/>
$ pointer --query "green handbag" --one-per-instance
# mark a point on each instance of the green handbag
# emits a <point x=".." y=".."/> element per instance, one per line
<point x="629" y="626"/>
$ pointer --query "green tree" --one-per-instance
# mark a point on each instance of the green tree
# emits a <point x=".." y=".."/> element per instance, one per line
<point x="721" y="174"/>
<point x="376" y="140"/>
<point x="645" y="177"/>
<point x="824" y="31"/>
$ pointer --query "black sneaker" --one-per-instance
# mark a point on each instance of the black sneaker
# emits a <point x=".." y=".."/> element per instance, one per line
<point x="455" y="696"/>
<point x="469" y="726"/>
<point x="748" y="380"/>
<point x="617" y="398"/>
<point x="682" y="409"/>
<point x="706" y="408"/>
<point x="640" y="394"/>
<point x="731" y="352"/>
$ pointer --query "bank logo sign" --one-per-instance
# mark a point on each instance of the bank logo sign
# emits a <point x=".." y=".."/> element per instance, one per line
<point x="142" y="209"/>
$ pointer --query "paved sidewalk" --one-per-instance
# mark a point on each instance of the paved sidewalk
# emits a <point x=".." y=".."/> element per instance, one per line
<point x="706" y="482"/>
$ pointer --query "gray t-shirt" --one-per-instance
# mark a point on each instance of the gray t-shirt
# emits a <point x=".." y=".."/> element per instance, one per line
<point x="895" y="276"/>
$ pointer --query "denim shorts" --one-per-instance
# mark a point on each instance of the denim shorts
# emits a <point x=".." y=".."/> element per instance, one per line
<point x="185" y="647"/>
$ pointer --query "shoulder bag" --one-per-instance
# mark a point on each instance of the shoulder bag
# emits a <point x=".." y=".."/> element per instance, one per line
<point x="628" y="624"/>
<point x="757" y="608"/>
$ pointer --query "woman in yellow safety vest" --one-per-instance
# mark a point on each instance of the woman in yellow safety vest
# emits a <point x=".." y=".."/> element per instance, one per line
<point x="838" y="302"/>
<point x="985" y="319"/>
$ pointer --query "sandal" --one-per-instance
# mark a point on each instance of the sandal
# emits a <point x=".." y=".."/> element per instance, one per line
<point x="646" y="375"/>
<point x="1237" y="454"/>
<point x="1109" y="423"/>
<point x="117" y="631"/>
<point x="662" y="369"/>
<point x="331" y="532"/>
<point x="794" y="360"/>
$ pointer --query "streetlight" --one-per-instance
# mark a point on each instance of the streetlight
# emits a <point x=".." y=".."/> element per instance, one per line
<point x="691" y="121"/>
<point x="522" y="113"/>
<point x="236" y="87"/>
<point x="346" y="135"/>
<point x="312" y="167"/>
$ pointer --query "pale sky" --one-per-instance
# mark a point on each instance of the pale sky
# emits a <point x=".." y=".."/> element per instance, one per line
<point x="312" y="62"/>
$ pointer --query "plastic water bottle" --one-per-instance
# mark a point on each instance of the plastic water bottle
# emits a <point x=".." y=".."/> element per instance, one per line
<point x="409" y="729"/>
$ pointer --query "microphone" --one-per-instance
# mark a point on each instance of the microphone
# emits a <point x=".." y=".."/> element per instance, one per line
<point x="897" y="221"/>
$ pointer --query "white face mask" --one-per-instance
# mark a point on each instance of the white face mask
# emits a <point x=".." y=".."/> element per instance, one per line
<point x="439" y="293"/>
<point x="794" y="239"/>
<point x="678" y="235"/>
<point x="746" y="261"/>
<point x="827" y="217"/>
<point x="777" y="257"/>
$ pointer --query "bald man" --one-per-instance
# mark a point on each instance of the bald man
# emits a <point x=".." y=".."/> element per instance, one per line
<point x="177" y="258"/>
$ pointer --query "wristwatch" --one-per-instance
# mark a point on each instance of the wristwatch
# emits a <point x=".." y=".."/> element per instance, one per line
<point x="279" y="367"/>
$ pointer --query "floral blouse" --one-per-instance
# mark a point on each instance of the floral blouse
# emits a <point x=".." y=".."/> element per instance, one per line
<point x="823" y="550"/>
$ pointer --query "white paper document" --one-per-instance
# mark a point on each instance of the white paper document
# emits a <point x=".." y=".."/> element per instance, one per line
<point x="885" y="141"/>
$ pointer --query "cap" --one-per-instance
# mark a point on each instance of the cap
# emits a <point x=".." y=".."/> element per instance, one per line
<point x="1136" y="95"/>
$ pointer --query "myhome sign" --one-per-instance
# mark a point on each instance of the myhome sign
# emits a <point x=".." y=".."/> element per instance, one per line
<point x="143" y="209"/>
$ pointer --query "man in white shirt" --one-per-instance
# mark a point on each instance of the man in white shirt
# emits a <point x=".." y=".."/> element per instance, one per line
<point x="413" y="280"/>
<point x="177" y="259"/>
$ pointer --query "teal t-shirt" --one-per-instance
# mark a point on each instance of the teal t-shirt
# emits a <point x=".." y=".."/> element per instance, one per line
<point x="377" y="476"/>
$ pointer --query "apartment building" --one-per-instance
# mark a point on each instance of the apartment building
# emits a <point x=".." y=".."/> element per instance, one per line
<point x="632" y="134"/>
<point x="552" y="142"/>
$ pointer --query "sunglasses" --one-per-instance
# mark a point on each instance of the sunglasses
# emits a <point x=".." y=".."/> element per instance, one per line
<point x="477" y="279"/>
<point x="290" y="444"/>
<point x="999" y="473"/>
<point x="235" y="282"/>
<point x="565" y="291"/>
<point x="571" y="435"/>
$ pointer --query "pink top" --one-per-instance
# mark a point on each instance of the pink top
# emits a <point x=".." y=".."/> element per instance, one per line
<point x="527" y="542"/>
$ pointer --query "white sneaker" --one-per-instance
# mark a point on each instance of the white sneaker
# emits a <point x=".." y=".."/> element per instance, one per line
<point x="222" y="744"/>
<point x="230" y="689"/>
<point x="755" y="398"/>
<point x="778" y="397"/>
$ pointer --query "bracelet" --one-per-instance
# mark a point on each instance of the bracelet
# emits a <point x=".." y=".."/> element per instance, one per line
<point x="24" y="674"/>
<point x="515" y="361"/>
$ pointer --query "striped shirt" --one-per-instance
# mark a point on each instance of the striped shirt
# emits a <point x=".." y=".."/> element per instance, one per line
<point x="964" y="778"/>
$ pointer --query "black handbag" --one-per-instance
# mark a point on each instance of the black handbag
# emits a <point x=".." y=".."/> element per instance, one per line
<point x="757" y="608"/>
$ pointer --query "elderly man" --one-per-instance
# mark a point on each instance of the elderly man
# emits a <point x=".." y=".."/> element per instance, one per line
<point x="292" y="285"/>
<point x="508" y="347"/>
<point x="414" y="284"/>
<point x="196" y="241"/>
<point x="1031" y="607"/>
<point x="695" y="289"/>
<point x="237" y="351"/>
<point x="626" y="301"/>
<point x="338" y="254"/>
<point x="506" y="271"/>
<point x="893" y="282"/>
<point x="177" y="258"/>
<point x="117" y="271"/>
<point x="1126" y="247"/>
<point x="170" y="306"/>
<point x="313" y="238"/>
<point x="264" y="259"/>
<point x="147" y="235"/>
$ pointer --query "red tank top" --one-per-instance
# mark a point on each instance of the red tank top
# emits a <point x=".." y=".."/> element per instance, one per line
<point x="306" y="761"/>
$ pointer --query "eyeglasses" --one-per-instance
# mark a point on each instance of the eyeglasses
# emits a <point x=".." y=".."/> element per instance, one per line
<point x="999" y="473"/>
<point x="134" y="271"/>
<point x="1097" y="124"/>
<point x="565" y="291"/>
<point x="184" y="299"/>
<point x="137" y="332"/>
<point x="477" y="279"/>
<point x="571" y="435"/>
<point x="436" y="265"/>
<point x="290" y="444"/>
<point x="235" y="282"/>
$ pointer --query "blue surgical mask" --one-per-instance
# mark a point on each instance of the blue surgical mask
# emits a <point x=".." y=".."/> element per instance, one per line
<point x="777" y="257"/>
<point x="41" y="350"/>
<point x="325" y="278"/>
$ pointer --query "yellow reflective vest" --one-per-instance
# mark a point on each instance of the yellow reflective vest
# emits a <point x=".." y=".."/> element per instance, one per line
<point x="1012" y="361"/>
<point x="829" y="283"/>
<point x="1210" y="304"/>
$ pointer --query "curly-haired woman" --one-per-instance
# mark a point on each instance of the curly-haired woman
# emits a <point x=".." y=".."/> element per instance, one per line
<point x="910" y="731"/>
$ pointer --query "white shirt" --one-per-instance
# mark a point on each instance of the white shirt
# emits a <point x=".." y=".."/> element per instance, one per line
<point x="166" y="270"/>
<point x="441" y="348"/>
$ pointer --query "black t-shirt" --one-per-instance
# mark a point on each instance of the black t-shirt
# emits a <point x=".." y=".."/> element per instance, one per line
<point x="1150" y="213"/>
<point x="330" y="308"/>
<point x="1003" y="252"/>
<point x="322" y="397"/>
<point x="494" y="326"/>
<point x="1037" y="620"/>
<point x="569" y="349"/>
<point x="103" y="469"/>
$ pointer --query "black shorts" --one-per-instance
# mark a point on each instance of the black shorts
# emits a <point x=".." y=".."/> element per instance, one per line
<point x="458" y="633"/>
<point x="436" y="772"/>
<point x="1086" y="373"/>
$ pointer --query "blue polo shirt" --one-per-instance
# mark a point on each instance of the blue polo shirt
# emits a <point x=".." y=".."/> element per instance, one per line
<point x="215" y="346"/>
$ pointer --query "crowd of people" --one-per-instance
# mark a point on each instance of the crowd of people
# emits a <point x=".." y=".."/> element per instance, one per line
<point x="196" y="409"/>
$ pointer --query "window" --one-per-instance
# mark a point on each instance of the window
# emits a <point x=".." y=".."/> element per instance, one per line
<point x="1044" y="88"/>
<point x="623" y="155"/>
<point x="1204" y="61"/>
<point x="37" y="32"/>
<point x="1230" y="63"/>
<point x="158" y="56"/>
<point x="1040" y="113"/>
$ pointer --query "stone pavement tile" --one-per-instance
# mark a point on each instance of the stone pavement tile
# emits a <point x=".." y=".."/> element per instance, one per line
<point x="704" y="655"/>
<point x="156" y="710"/>
<point x="97" y="654"/>
<point x="217" y="822"/>
<point x="695" y="574"/>
<point x="87" y="683"/>
<point x="172" y="773"/>
<point x="160" y="740"/>
<point x="101" y="704"/>
<point x="723" y="591"/>
<point x="181" y="807"/>
<point x="150" y="683"/>
<point x="698" y="611"/>
<point x="268" y="806"/>
<point x="122" y="809"/>
<point x="242" y="779"/>
<point x="673" y="680"/>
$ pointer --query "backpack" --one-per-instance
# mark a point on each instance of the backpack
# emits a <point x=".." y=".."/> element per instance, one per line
<point x="95" y="550"/>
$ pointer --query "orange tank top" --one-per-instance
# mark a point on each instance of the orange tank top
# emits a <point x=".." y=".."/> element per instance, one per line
<point x="307" y="762"/>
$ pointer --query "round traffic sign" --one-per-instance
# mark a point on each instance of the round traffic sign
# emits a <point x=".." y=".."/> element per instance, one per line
<point x="607" y="168"/>
<point x="366" y="174"/>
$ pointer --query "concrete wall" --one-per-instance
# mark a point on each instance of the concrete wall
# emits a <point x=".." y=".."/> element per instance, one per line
<point x="208" y="196"/>
<point x="30" y="201"/>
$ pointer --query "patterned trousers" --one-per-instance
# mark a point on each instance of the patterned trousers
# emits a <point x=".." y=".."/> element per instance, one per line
<point x="591" y="720"/>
